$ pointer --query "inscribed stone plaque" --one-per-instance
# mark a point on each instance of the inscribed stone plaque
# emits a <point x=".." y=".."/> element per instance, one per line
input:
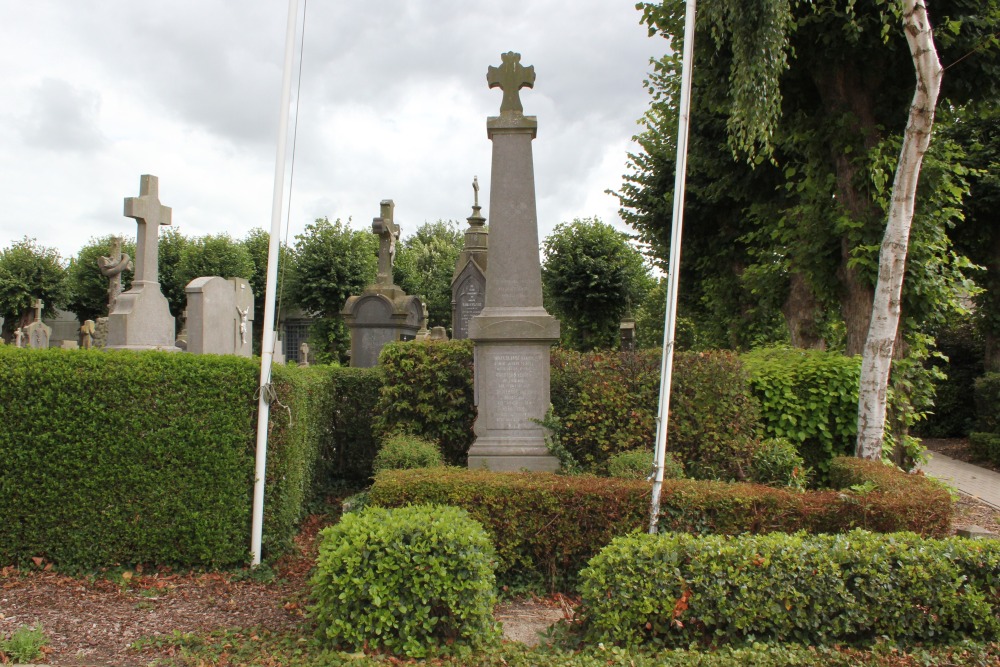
<point x="516" y="389"/>
<point x="469" y="302"/>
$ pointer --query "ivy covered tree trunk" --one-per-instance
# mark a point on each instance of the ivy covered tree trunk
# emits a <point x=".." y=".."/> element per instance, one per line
<point x="877" y="359"/>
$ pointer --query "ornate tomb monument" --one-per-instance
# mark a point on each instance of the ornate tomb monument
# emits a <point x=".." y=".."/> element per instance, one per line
<point x="141" y="318"/>
<point x="383" y="312"/>
<point x="468" y="283"/>
<point x="513" y="333"/>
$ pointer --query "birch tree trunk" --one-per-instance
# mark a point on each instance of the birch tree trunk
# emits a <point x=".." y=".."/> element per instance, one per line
<point x="877" y="358"/>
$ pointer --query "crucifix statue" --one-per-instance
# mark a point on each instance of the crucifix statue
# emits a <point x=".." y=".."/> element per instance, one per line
<point x="475" y="190"/>
<point x="149" y="213"/>
<point x="511" y="77"/>
<point x="388" y="233"/>
<point x="112" y="267"/>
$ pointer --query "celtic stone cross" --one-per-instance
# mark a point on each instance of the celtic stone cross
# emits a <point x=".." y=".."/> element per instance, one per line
<point x="511" y="77"/>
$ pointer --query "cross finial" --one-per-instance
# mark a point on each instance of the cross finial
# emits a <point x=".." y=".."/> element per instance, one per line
<point x="37" y="304"/>
<point x="149" y="213"/>
<point x="511" y="77"/>
<point x="388" y="232"/>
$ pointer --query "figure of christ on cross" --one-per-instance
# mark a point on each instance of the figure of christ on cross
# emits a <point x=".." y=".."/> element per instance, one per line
<point x="511" y="77"/>
<point x="112" y="267"/>
<point x="388" y="232"/>
<point x="149" y="213"/>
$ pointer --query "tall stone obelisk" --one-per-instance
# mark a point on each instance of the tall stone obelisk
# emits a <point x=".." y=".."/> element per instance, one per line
<point x="513" y="333"/>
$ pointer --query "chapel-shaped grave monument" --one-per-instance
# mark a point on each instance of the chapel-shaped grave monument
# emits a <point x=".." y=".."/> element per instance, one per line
<point x="141" y="318"/>
<point x="468" y="283"/>
<point x="383" y="313"/>
<point x="513" y="333"/>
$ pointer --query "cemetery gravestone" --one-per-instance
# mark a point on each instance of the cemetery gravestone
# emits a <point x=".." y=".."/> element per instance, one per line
<point x="219" y="316"/>
<point x="383" y="313"/>
<point x="141" y="317"/>
<point x="513" y="333"/>
<point x="37" y="334"/>
<point x="468" y="283"/>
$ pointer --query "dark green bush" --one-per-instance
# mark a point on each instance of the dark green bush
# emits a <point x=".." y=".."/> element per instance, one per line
<point x="607" y="403"/>
<point x="985" y="446"/>
<point x="638" y="464"/>
<point x="776" y="462"/>
<point x="809" y="397"/>
<point x="677" y="589"/>
<point x="125" y="457"/>
<point x="953" y="414"/>
<point x="428" y="392"/>
<point x="410" y="581"/>
<point x="545" y="526"/>
<point x="403" y="452"/>
<point x="988" y="403"/>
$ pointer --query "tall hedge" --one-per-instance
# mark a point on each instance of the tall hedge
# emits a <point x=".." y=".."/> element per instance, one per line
<point x="148" y="457"/>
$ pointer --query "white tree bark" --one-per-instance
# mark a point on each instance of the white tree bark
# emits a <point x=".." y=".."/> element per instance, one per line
<point x="877" y="358"/>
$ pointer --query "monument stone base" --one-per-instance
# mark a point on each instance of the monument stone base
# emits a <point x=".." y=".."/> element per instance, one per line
<point x="512" y="368"/>
<point x="141" y="320"/>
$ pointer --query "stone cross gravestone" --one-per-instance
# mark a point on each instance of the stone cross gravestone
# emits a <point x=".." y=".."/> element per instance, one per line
<point x="513" y="333"/>
<point x="141" y="318"/>
<point x="37" y="334"/>
<point x="468" y="282"/>
<point x="219" y="316"/>
<point x="383" y="312"/>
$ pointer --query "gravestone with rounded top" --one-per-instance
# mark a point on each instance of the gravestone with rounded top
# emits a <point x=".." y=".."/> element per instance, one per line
<point x="37" y="334"/>
<point x="141" y="318"/>
<point x="219" y="316"/>
<point x="513" y="333"/>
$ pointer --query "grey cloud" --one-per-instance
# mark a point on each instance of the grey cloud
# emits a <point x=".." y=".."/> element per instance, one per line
<point x="63" y="118"/>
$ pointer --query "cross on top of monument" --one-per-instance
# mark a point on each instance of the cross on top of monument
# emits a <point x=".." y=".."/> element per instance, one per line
<point x="149" y="213"/>
<point x="388" y="232"/>
<point x="511" y="77"/>
<point x="37" y="304"/>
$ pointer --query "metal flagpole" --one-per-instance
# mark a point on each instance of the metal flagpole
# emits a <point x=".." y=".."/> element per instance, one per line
<point x="673" y="265"/>
<point x="267" y="343"/>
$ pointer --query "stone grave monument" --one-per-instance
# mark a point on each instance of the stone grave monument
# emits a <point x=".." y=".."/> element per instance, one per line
<point x="37" y="334"/>
<point x="141" y="318"/>
<point x="468" y="283"/>
<point x="383" y="312"/>
<point x="219" y="316"/>
<point x="513" y="333"/>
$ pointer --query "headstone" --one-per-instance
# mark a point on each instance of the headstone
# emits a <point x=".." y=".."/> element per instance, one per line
<point x="100" y="333"/>
<point x="112" y="267"/>
<point x="219" y="316"/>
<point x="37" y="334"/>
<point x="468" y="283"/>
<point x="87" y="330"/>
<point x="69" y="345"/>
<point x="383" y="313"/>
<point x="18" y="337"/>
<point x="626" y="332"/>
<point x="423" y="333"/>
<point x="513" y="333"/>
<point x="65" y="327"/>
<point x="141" y="318"/>
<point x="439" y="333"/>
<point x="304" y="354"/>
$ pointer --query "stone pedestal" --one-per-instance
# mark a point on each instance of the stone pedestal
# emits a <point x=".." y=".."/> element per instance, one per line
<point x="513" y="333"/>
<point x="141" y="320"/>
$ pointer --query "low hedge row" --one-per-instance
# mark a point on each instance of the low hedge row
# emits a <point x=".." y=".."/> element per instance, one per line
<point x="985" y="440"/>
<point x="122" y="457"/>
<point x="678" y="590"/>
<point x="546" y="527"/>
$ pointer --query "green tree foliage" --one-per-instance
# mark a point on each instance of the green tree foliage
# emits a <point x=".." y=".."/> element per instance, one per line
<point x="88" y="289"/>
<point x="425" y="263"/>
<point x="257" y="243"/>
<point x="30" y="271"/>
<point x="171" y="247"/>
<point x="590" y="276"/>
<point x="214" y="255"/>
<point x="332" y="263"/>
<point x="786" y="224"/>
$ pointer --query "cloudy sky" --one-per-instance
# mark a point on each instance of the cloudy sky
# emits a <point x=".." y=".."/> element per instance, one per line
<point x="393" y="104"/>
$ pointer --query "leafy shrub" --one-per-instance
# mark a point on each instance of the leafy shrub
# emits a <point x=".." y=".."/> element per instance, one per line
<point x="24" y="645"/>
<point x="776" y="462"/>
<point x="809" y="397"/>
<point x="401" y="452"/>
<point x="428" y="392"/>
<point x="607" y="403"/>
<point x="409" y="580"/>
<point x="988" y="403"/>
<point x="347" y="444"/>
<point x="985" y="446"/>
<point x="677" y="589"/>
<point x="638" y="463"/>
<point x="545" y="527"/>
<point x="954" y="415"/>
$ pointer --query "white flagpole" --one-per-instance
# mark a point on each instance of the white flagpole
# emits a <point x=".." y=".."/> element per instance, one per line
<point x="267" y="343"/>
<point x="673" y="265"/>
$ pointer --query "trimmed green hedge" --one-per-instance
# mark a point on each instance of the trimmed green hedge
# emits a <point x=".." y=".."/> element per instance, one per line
<point x="123" y="457"/>
<point x="546" y="527"/>
<point x="347" y="443"/>
<point x="985" y="446"/>
<point x="988" y="403"/>
<point x="678" y="590"/>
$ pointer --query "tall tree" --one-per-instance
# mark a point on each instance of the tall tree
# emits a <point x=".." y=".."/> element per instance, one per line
<point x="425" y="263"/>
<point x="590" y="275"/>
<point x="332" y="262"/>
<point x="171" y="247"/>
<point x="257" y="244"/>
<point x="88" y="288"/>
<point x="30" y="271"/>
